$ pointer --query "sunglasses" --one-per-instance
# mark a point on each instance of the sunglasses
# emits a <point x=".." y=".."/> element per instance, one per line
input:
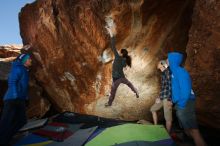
<point x="163" y="65"/>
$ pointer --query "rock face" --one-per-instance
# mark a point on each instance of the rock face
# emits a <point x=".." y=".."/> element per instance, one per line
<point x="7" y="54"/>
<point x="204" y="62"/>
<point x="7" y="51"/>
<point x="38" y="104"/>
<point x="72" y="50"/>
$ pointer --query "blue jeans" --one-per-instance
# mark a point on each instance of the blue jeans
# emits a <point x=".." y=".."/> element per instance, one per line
<point x="12" y="119"/>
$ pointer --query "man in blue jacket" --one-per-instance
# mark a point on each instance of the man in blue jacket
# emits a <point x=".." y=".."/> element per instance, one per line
<point x="184" y="98"/>
<point x="13" y="114"/>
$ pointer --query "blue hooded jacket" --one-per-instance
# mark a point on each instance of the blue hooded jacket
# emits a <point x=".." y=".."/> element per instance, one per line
<point x="181" y="81"/>
<point x="17" y="82"/>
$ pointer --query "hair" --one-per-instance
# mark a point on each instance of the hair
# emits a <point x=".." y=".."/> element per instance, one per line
<point x="125" y="55"/>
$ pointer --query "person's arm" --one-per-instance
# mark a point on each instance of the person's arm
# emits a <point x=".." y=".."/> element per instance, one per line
<point x="112" y="37"/>
<point x="25" y="83"/>
<point x="162" y="90"/>
<point x="169" y="87"/>
<point x="185" y="89"/>
<point x="13" y="79"/>
<point x="113" y="46"/>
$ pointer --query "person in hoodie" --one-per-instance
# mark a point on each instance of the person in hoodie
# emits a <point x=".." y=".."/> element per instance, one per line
<point x="120" y="62"/>
<point x="14" y="114"/>
<point x="184" y="98"/>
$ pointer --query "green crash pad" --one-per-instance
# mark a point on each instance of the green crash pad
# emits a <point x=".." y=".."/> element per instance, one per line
<point x="129" y="132"/>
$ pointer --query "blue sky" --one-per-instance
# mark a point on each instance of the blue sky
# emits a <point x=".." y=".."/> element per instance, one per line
<point x="9" y="25"/>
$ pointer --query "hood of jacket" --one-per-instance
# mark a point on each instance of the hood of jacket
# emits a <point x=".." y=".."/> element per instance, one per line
<point x="175" y="59"/>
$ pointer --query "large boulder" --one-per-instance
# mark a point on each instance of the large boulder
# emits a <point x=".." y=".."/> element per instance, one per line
<point x="204" y="62"/>
<point x="71" y="48"/>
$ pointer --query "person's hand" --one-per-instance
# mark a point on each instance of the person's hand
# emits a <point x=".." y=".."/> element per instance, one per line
<point x="109" y="31"/>
<point x="110" y="25"/>
<point x="170" y="103"/>
<point x="157" y="100"/>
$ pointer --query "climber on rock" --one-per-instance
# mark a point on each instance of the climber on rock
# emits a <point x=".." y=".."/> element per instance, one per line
<point x="120" y="62"/>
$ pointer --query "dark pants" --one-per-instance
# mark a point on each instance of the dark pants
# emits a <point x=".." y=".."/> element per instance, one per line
<point x="115" y="84"/>
<point x="187" y="116"/>
<point x="12" y="119"/>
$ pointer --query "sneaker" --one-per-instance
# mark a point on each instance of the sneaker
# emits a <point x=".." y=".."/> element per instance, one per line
<point x="178" y="137"/>
<point x="107" y="104"/>
<point x="137" y="95"/>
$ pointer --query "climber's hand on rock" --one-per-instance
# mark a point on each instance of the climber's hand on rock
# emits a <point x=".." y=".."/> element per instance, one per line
<point x="109" y="31"/>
